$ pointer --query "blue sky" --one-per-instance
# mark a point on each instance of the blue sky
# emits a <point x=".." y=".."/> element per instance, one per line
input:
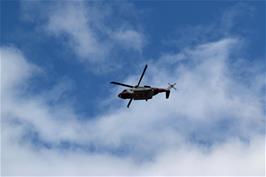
<point x="57" y="59"/>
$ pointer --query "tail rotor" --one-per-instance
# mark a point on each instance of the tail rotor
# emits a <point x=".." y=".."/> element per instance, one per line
<point x="171" y="86"/>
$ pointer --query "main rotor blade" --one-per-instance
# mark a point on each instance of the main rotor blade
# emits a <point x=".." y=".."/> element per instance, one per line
<point x="129" y="103"/>
<point x="125" y="85"/>
<point x="142" y="75"/>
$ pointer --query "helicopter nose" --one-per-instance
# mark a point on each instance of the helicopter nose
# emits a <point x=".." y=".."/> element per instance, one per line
<point x="119" y="95"/>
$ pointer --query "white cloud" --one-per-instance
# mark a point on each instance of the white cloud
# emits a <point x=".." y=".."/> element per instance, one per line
<point x="20" y="69"/>
<point x="88" y="33"/>
<point x="130" y="38"/>
<point x="156" y="134"/>
<point x="73" y="20"/>
<point x="231" y="158"/>
<point x="207" y="80"/>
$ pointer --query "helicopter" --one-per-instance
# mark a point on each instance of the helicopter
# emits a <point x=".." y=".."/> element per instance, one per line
<point x="145" y="92"/>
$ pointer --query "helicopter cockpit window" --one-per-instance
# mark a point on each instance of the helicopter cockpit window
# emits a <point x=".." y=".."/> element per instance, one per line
<point x="124" y="91"/>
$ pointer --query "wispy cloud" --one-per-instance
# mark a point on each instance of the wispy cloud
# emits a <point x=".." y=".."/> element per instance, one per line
<point x="89" y="33"/>
<point x="130" y="38"/>
<point x="75" y="21"/>
<point x="230" y="22"/>
<point x="210" y="122"/>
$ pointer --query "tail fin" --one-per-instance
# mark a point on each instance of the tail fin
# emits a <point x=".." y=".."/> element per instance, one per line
<point x="167" y="94"/>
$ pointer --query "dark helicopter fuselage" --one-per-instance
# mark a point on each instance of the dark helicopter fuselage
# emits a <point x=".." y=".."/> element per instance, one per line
<point x="141" y="93"/>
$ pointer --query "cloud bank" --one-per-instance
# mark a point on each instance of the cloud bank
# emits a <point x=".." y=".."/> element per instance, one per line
<point x="213" y="124"/>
